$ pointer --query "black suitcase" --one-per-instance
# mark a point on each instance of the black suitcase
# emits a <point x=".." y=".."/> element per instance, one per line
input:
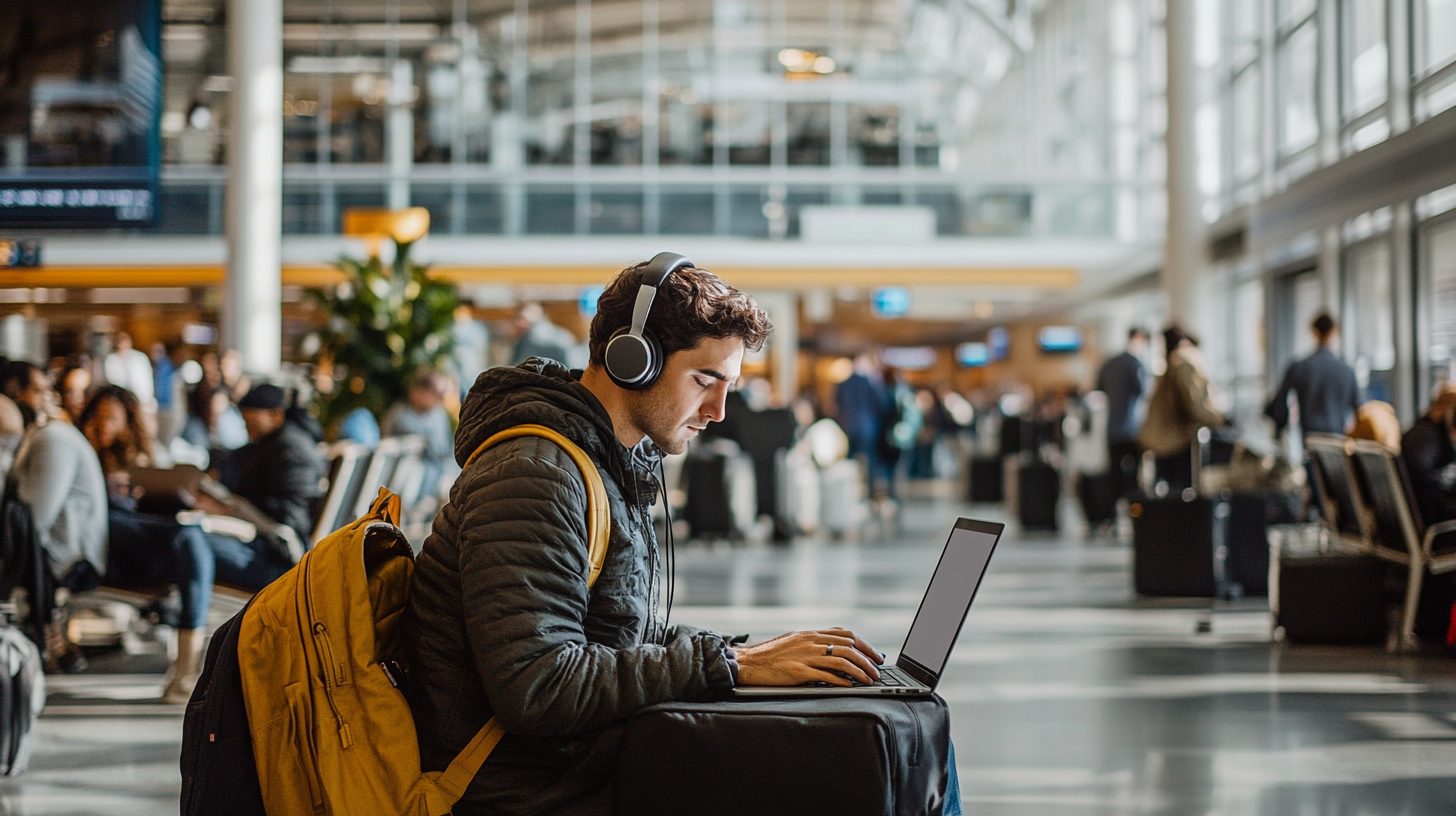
<point x="849" y="756"/>
<point x="708" y="511"/>
<point x="1332" y="599"/>
<point x="1098" y="494"/>
<point x="762" y="435"/>
<point x="1039" y="489"/>
<point x="1178" y="546"/>
<point x="986" y="475"/>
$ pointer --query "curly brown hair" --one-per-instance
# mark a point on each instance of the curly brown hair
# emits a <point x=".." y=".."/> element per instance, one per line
<point x="692" y="304"/>
<point x="133" y="447"/>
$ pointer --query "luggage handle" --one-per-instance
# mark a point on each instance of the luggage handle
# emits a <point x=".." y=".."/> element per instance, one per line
<point x="453" y="781"/>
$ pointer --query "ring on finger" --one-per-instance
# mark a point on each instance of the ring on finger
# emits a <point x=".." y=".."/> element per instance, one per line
<point x="829" y="650"/>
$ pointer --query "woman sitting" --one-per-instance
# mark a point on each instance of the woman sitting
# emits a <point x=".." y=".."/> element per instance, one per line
<point x="152" y="549"/>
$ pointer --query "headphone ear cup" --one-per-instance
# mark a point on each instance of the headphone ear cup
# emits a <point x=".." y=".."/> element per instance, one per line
<point x="629" y="360"/>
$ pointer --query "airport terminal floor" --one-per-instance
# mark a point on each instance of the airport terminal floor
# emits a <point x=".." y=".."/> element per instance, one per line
<point x="1067" y="696"/>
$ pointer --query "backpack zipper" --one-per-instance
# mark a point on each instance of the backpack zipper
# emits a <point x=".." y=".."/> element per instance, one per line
<point x="325" y="649"/>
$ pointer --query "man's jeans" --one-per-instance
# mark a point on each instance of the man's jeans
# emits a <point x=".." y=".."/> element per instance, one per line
<point x="952" y="805"/>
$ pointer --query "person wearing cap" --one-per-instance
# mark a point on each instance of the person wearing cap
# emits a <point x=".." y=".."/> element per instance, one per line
<point x="279" y="469"/>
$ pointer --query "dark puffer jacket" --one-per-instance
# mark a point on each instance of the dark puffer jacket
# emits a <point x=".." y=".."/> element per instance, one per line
<point x="503" y="622"/>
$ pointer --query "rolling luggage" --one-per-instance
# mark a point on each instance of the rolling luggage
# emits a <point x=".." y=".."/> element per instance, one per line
<point x="1251" y="513"/>
<point x="1039" y="490"/>
<point x="850" y="756"/>
<point x="1179" y="546"/>
<point x="764" y="436"/>
<point x="841" y="497"/>
<point x="985" y="478"/>
<point x="22" y="696"/>
<point x="798" y="490"/>
<point x="721" y="491"/>
<point x="1097" y="493"/>
<point x="1331" y="599"/>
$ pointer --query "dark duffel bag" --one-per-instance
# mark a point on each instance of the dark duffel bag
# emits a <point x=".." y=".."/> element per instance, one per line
<point x="986" y="476"/>
<point x="1176" y="544"/>
<point x="1332" y="599"/>
<point x="849" y="756"/>
<point x="1039" y="491"/>
<point x="219" y="774"/>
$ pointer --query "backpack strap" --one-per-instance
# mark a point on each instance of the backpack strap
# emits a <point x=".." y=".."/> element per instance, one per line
<point x="453" y="781"/>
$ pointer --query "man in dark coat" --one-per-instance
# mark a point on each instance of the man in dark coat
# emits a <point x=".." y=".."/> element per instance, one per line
<point x="279" y="469"/>
<point x="1124" y="379"/>
<point x="1323" y="385"/>
<point x="503" y="622"/>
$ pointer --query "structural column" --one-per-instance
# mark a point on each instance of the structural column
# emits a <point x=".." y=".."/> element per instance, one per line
<point x="1183" y="250"/>
<point x="252" y="311"/>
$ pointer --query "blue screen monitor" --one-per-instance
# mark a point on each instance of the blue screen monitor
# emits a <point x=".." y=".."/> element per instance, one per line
<point x="80" y="113"/>
<point x="1059" y="339"/>
<point x="1000" y="342"/>
<point x="973" y="355"/>
<point x="890" y="301"/>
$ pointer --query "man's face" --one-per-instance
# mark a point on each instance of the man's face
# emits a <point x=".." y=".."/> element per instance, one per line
<point x="425" y="398"/>
<point x="689" y="394"/>
<point x="262" y="421"/>
<point x="38" y="395"/>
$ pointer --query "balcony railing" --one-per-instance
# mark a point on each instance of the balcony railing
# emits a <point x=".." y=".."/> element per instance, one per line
<point x="743" y="202"/>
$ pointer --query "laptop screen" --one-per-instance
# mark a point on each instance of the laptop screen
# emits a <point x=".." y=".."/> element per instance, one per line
<point x="950" y="593"/>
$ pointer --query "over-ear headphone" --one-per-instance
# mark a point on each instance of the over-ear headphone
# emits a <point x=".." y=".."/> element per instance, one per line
<point x="634" y="358"/>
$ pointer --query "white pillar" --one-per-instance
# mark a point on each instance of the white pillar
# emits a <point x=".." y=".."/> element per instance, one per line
<point x="252" y="312"/>
<point x="783" y="344"/>
<point x="1183" y="251"/>
<point x="400" y="132"/>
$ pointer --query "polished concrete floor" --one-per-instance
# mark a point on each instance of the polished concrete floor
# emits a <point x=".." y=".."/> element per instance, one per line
<point x="1068" y="696"/>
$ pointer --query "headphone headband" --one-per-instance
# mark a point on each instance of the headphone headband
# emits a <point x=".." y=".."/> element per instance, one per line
<point x="661" y="265"/>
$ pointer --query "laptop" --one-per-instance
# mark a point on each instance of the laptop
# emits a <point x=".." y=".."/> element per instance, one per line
<point x="937" y="624"/>
<point x="167" y="480"/>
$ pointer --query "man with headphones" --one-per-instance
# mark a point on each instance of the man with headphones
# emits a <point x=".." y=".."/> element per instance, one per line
<point x="503" y="623"/>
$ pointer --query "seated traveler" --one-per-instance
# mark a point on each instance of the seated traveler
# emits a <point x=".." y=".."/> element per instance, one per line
<point x="503" y="624"/>
<point x="57" y="475"/>
<point x="149" y="550"/>
<point x="280" y="467"/>
<point x="422" y="413"/>
<point x="1430" y="459"/>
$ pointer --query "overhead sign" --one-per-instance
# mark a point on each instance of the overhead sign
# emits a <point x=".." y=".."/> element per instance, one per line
<point x="80" y="118"/>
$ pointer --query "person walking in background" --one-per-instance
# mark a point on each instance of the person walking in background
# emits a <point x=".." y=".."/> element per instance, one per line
<point x="422" y="413"/>
<point x="1323" y="385"/>
<point x="170" y="414"/>
<point x="1124" y="379"/>
<point x="539" y="337"/>
<point x="860" y="402"/>
<point x="1182" y="402"/>
<point x="131" y="369"/>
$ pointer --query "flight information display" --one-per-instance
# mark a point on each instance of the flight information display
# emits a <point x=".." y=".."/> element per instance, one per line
<point x="80" y="113"/>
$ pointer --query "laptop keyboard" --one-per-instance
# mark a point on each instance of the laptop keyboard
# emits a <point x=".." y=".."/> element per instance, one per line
<point x="889" y="676"/>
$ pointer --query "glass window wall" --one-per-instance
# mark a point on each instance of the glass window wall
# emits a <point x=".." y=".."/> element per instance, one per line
<point x="1365" y="59"/>
<point x="1370" y="317"/>
<point x="1435" y="32"/>
<point x="1298" y="89"/>
<point x="1440" y="260"/>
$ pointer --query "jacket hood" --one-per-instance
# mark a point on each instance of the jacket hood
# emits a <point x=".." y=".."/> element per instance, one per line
<point x="544" y="392"/>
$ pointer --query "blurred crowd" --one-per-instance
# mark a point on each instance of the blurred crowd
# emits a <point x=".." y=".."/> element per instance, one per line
<point x="168" y="477"/>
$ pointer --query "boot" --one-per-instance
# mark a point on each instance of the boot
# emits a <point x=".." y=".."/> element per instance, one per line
<point x="186" y="668"/>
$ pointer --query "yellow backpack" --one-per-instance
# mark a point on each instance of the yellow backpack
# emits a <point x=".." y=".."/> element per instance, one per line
<point x="331" y="732"/>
